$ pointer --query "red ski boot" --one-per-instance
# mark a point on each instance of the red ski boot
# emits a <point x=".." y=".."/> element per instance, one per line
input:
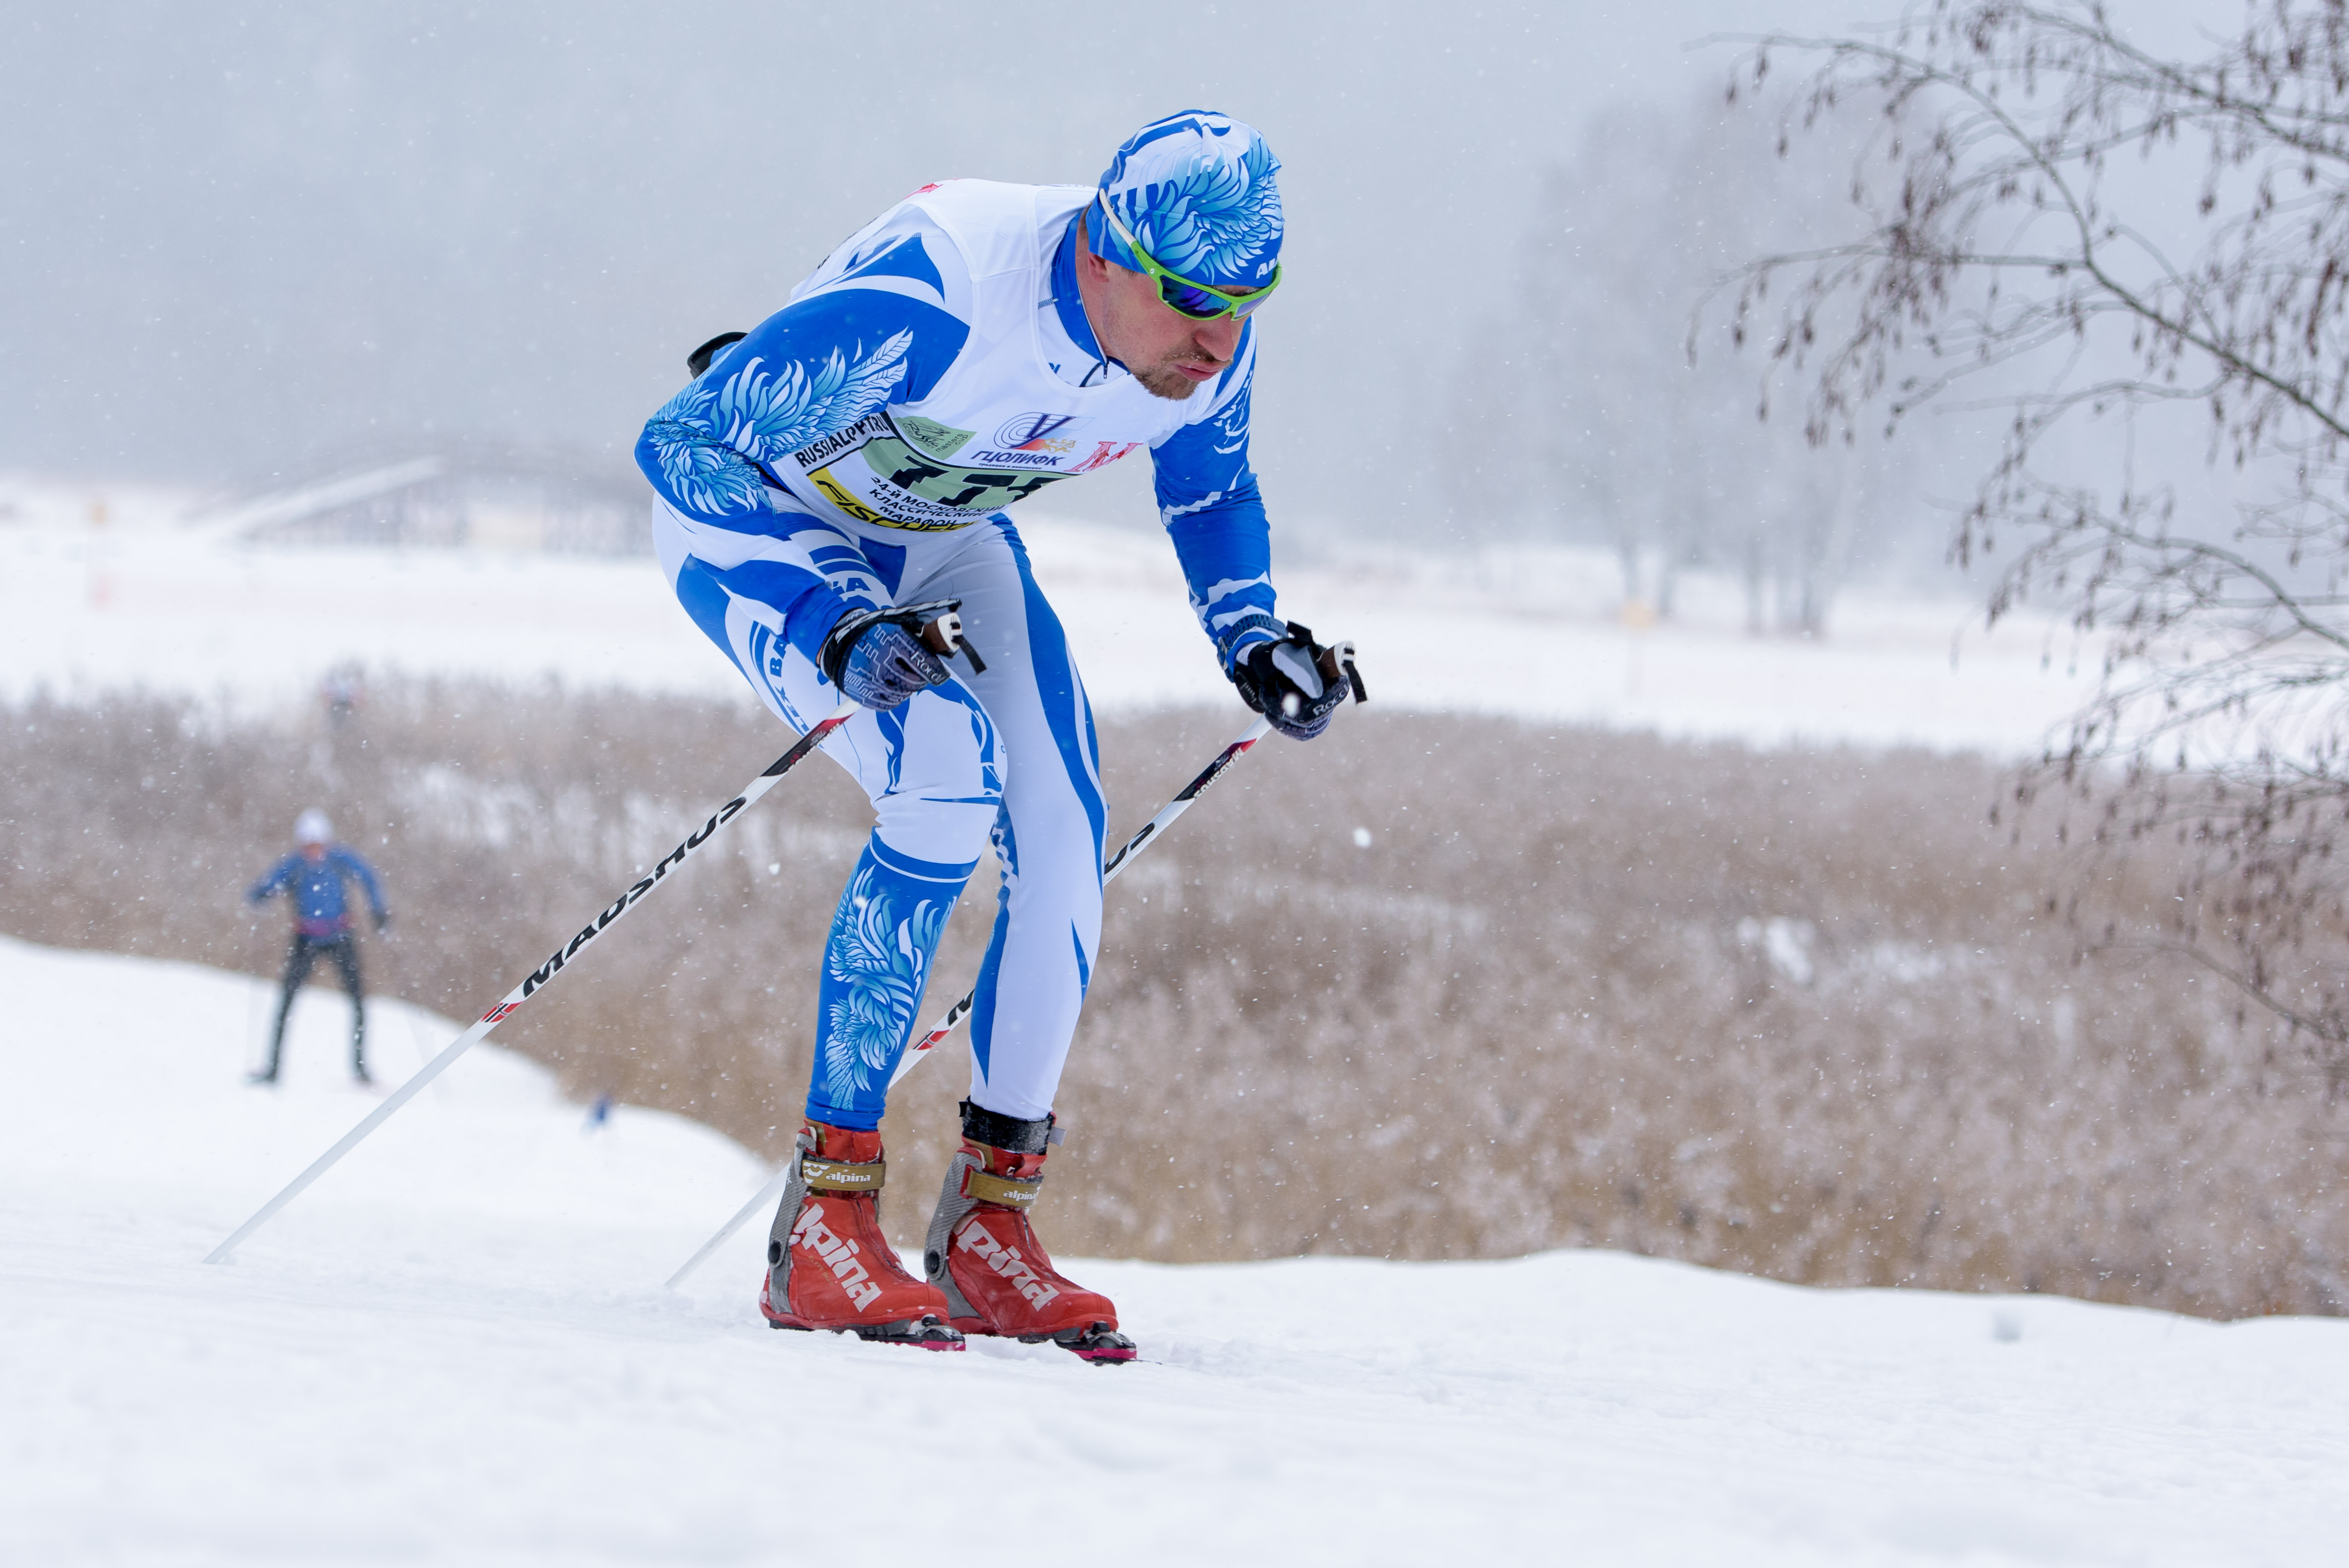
<point x="982" y="1255"/>
<point x="828" y="1264"/>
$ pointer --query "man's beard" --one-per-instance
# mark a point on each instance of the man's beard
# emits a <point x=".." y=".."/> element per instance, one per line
<point x="1164" y="380"/>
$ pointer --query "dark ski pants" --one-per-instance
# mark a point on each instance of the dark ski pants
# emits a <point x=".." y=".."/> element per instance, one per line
<point x="344" y="949"/>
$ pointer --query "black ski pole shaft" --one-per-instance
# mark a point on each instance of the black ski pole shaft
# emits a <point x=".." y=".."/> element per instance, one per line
<point x="541" y="978"/>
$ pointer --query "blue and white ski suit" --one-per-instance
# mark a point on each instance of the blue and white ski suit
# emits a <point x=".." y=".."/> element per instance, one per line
<point x="856" y="450"/>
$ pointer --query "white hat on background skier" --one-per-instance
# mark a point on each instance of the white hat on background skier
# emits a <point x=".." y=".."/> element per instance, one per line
<point x="1194" y="195"/>
<point x="311" y="828"/>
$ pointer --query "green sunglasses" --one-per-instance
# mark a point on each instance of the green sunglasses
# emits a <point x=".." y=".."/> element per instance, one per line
<point x="1182" y="296"/>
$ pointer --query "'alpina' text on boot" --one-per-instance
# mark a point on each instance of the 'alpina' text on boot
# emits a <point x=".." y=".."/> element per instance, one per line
<point x="811" y="1234"/>
<point x="1005" y="1261"/>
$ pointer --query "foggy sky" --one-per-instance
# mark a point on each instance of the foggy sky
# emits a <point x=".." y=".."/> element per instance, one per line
<point x="235" y="241"/>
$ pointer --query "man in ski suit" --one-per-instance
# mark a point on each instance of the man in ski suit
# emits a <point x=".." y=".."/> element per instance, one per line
<point x="313" y="877"/>
<point x="851" y="458"/>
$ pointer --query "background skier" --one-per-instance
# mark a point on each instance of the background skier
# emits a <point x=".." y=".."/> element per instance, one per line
<point x="848" y="462"/>
<point x="313" y="877"/>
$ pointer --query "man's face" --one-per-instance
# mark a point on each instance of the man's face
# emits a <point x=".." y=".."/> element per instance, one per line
<point x="1168" y="352"/>
<point x="313" y="852"/>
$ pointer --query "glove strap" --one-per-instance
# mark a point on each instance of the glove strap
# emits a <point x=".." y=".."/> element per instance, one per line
<point x="1230" y="634"/>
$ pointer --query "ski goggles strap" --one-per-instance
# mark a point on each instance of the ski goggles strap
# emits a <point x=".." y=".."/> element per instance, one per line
<point x="840" y="1176"/>
<point x="1199" y="301"/>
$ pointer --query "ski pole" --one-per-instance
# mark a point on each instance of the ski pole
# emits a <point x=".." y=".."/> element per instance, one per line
<point x="539" y="979"/>
<point x="914" y="1053"/>
<point x="942" y="632"/>
<point x="919" y="1049"/>
<point x="1338" y="664"/>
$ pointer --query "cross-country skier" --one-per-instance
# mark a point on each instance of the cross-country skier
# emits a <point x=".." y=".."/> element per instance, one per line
<point x="312" y="877"/>
<point x="848" y="462"/>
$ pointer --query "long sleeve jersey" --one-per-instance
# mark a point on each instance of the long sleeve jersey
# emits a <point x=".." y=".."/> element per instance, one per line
<point x="936" y="369"/>
<point x="320" y="905"/>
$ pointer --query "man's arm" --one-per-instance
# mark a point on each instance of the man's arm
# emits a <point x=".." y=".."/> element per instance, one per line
<point x="366" y="874"/>
<point x="879" y="326"/>
<point x="1209" y="500"/>
<point x="273" y="881"/>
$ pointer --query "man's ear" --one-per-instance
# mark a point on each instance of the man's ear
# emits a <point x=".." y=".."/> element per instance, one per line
<point x="1095" y="267"/>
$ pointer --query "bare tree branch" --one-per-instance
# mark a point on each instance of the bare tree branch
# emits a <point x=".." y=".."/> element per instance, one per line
<point x="2004" y="249"/>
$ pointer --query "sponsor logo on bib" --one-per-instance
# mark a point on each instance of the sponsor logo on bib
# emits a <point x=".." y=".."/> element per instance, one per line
<point x="1032" y="432"/>
<point x="936" y="439"/>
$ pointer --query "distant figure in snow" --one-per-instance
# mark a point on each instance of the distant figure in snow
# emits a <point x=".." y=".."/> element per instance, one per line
<point x="312" y="876"/>
<point x="342" y="692"/>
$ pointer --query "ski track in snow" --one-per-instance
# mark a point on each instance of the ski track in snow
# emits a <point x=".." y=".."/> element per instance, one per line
<point x="455" y="1349"/>
<point x="140" y="601"/>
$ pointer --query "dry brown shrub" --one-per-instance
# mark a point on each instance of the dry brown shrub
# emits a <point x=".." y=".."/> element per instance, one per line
<point x="1804" y="1014"/>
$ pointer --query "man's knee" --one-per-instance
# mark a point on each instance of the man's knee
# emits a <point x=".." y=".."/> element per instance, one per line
<point x="944" y="747"/>
<point x="1061" y="852"/>
<point x="944" y="785"/>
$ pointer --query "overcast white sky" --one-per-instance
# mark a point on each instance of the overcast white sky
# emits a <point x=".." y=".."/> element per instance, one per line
<point x="238" y="240"/>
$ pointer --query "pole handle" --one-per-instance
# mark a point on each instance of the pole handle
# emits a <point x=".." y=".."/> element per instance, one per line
<point x="1337" y="663"/>
<point x="943" y="635"/>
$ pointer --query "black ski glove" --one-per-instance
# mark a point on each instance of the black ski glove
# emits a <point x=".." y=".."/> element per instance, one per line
<point x="878" y="657"/>
<point x="1296" y="682"/>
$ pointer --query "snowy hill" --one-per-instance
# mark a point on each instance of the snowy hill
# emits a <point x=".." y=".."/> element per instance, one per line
<point x="140" y="600"/>
<point x="455" y="1349"/>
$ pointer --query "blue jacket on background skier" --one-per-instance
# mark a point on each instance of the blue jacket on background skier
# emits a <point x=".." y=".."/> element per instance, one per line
<point x="314" y="879"/>
<point x="321" y="904"/>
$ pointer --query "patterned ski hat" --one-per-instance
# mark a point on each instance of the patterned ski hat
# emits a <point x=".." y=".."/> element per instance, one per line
<point x="311" y="828"/>
<point x="1197" y="190"/>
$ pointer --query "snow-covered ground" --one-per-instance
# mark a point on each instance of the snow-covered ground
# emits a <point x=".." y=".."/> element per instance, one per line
<point x="455" y="1349"/>
<point x="102" y="586"/>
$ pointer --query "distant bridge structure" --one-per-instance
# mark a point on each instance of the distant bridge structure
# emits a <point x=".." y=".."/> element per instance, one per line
<point x="468" y="495"/>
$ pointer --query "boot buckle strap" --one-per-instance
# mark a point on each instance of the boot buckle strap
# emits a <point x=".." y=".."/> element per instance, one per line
<point x="1003" y="1189"/>
<point x="840" y="1176"/>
